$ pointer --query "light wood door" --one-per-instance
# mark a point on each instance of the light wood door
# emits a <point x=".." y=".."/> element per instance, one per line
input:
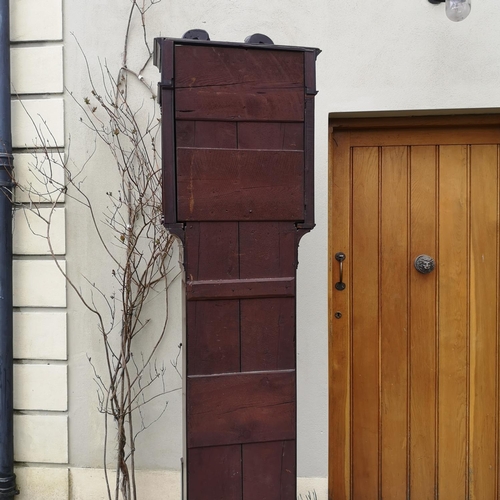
<point x="414" y="358"/>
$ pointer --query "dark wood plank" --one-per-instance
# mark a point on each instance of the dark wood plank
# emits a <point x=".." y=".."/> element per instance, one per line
<point x="215" y="473"/>
<point x="240" y="408"/>
<point x="240" y="103"/>
<point x="169" y="187"/>
<point x="262" y="135"/>
<point x="237" y="289"/>
<point x="309" y="223"/>
<point x="310" y="71"/>
<point x="218" y="184"/>
<point x="267" y="249"/>
<point x="215" y="135"/>
<point x="213" y="337"/>
<point x="211" y="250"/>
<point x="267" y="334"/>
<point x="269" y="471"/>
<point x="184" y="134"/>
<point x="293" y="137"/>
<point x="288" y="476"/>
<point x="221" y="83"/>
<point x="202" y="134"/>
<point x="201" y="66"/>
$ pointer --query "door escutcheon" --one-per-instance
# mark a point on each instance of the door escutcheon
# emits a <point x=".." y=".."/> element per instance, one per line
<point x="340" y="257"/>
<point x="424" y="264"/>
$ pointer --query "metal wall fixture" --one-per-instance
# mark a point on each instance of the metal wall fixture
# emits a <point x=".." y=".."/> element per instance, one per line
<point x="340" y="285"/>
<point x="424" y="264"/>
<point x="456" y="10"/>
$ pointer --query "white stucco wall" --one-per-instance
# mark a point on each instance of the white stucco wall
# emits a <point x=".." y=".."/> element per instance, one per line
<point x="377" y="56"/>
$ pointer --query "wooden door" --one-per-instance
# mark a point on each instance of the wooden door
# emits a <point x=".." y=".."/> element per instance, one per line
<point x="414" y="365"/>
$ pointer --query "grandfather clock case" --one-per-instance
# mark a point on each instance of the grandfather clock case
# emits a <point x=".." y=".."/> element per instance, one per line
<point x="238" y="190"/>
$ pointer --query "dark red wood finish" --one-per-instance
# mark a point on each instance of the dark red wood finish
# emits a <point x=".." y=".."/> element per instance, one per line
<point x="238" y="124"/>
<point x="240" y="408"/>
<point x="240" y="289"/>
<point x="235" y="184"/>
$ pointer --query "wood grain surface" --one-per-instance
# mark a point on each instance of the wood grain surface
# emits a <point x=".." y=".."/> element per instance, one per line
<point x="224" y="184"/>
<point x="423" y="332"/>
<point x="262" y="464"/>
<point x="243" y="408"/>
<point x="220" y="83"/>
<point x="414" y="368"/>
<point x="240" y="289"/>
<point x="339" y="338"/>
<point x="239" y="192"/>
<point x="365" y="284"/>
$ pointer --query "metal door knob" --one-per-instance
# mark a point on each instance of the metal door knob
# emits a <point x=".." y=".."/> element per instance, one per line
<point x="340" y="257"/>
<point x="424" y="264"/>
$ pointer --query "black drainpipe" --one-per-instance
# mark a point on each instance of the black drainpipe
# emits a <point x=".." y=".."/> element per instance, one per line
<point x="7" y="477"/>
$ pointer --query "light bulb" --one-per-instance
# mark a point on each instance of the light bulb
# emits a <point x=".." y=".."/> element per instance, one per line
<point x="457" y="10"/>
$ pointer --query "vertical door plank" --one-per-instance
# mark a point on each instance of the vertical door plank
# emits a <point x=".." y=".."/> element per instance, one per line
<point x="365" y="334"/>
<point x="394" y="321"/>
<point x="423" y="326"/>
<point x="262" y="464"/>
<point x="452" y="266"/>
<point x="483" y="323"/>
<point x="339" y="461"/>
<point x="216" y="470"/>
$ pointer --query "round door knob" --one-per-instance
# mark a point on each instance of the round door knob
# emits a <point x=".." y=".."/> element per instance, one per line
<point x="424" y="264"/>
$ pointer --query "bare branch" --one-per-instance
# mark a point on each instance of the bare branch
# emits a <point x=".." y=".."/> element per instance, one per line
<point x="130" y="233"/>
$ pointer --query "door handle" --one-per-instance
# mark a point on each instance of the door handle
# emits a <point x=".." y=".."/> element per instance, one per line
<point x="424" y="264"/>
<point x="340" y="257"/>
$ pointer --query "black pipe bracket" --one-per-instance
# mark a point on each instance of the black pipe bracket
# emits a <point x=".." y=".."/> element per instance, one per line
<point x="8" y="487"/>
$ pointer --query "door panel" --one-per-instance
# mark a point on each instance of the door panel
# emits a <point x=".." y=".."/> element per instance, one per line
<point x="414" y="358"/>
<point x="423" y="339"/>
<point x="393" y="303"/>
<point x="340" y="365"/>
<point x="453" y="321"/>
<point x="483" y="348"/>
<point x="365" y="338"/>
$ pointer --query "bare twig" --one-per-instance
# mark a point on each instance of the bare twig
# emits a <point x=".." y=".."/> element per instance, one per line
<point x="130" y="233"/>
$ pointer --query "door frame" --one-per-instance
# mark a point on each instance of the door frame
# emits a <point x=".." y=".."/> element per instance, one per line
<point x="380" y="121"/>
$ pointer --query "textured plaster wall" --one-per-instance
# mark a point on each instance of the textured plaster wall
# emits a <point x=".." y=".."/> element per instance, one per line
<point x="377" y="56"/>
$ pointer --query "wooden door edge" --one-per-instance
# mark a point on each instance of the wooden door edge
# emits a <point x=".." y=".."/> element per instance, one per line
<point x="364" y="121"/>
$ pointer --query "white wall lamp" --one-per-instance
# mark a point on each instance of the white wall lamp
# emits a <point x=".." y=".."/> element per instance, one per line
<point x="456" y="10"/>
